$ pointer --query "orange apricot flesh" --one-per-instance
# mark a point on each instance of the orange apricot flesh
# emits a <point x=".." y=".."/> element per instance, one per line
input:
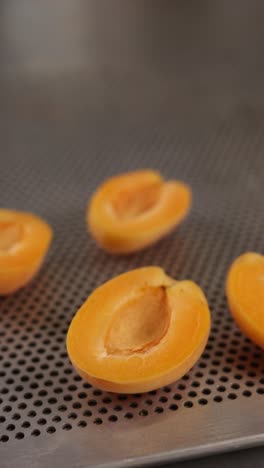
<point x="139" y="331"/>
<point x="245" y="294"/>
<point x="24" y="242"/>
<point x="131" y="211"/>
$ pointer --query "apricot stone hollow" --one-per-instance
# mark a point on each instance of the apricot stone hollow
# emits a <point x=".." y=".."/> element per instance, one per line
<point x="245" y="294"/>
<point x="139" y="331"/>
<point x="131" y="211"/>
<point x="24" y="242"/>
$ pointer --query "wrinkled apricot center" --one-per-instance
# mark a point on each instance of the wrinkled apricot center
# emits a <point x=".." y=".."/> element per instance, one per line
<point x="10" y="234"/>
<point x="139" y="324"/>
<point x="133" y="201"/>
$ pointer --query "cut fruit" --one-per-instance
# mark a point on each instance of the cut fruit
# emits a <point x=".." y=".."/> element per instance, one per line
<point x="24" y="241"/>
<point x="131" y="211"/>
<point x="245" y="294"/>
<point x="139" y="331"/>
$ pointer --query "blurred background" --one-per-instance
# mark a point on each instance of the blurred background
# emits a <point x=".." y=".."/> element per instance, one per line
<point x="127" y="84"/>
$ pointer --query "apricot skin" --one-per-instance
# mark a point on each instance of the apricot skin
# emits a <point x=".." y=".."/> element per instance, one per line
<point x="245" y="294"/>
<point x="136" y="358"/>
<point x="24" y="242"/>
<point x="131" y="211"/>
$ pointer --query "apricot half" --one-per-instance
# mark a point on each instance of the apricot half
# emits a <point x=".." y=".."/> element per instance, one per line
<point x="245" y="294"/>
<point x="139" y="331"/>
<point x="24" y="241"/>
<point x="131" y="211"/>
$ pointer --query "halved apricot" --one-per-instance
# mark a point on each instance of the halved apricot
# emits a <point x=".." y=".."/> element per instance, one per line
<point x="139" y="331"/>
<point x="131" y="211"/>
<point x="24" y="241"/>
<point x="245" y="294"/>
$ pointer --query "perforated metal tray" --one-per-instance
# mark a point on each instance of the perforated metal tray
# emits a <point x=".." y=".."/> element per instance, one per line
<point x="166" y="89"/>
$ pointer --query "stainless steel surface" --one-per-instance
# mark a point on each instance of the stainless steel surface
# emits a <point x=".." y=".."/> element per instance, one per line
<point x="87" y="91"/>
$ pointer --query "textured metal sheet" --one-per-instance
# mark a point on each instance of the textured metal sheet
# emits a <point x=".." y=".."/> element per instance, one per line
<point x="88" y="91"/>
